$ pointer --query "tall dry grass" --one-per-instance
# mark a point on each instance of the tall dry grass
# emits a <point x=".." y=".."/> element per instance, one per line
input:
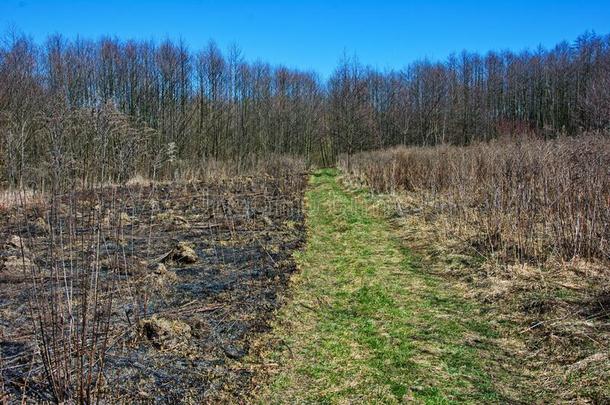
<point x="526" y="199"/>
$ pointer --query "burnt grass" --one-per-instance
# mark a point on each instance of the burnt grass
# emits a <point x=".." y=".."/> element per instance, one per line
<point x="179" y="331"/>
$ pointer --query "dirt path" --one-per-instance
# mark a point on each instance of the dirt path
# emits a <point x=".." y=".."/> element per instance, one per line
<point x="365" y="324"/>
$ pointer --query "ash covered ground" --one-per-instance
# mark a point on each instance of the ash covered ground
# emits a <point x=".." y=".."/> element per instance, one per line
<point x="187" y="276"/>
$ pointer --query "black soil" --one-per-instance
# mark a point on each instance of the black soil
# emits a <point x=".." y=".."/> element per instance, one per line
<point x="179" y="332"/>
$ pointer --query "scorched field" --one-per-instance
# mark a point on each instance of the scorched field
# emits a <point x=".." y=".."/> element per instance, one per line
<point x="148" y="291"/>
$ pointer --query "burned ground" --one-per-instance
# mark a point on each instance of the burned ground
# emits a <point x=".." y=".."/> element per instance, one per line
<point x="189" y="274"/>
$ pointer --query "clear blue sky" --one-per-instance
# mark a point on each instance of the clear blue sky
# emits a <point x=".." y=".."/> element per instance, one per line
<point x="314" y="35"/>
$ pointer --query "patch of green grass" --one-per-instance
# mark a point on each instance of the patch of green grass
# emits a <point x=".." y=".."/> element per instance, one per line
<point x="366" y="323"/>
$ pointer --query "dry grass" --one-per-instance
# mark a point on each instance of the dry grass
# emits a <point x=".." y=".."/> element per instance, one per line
<point x="17" y="198"/>
<point x="527" y="200"/>
<point x="522" y="228"/>
<point x="552" y="318"/>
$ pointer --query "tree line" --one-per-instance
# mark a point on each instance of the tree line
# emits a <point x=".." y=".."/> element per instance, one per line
<point x="103" y="110"/>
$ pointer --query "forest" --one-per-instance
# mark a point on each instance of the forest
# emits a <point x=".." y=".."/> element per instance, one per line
<point x="156" y="109"/>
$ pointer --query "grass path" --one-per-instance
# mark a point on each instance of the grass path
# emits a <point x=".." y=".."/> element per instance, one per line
<point x="365" y="324"/>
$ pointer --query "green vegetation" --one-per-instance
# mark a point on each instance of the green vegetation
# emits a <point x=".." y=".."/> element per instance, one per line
<point x="366" y="323"/>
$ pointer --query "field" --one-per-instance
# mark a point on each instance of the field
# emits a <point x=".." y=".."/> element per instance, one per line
<point x="521" y="229"/>
<point x="149" y="292"/>
<point x="429" y="275"/>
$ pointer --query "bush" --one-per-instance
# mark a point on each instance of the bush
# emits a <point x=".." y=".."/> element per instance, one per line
<point x="527" y="198"/>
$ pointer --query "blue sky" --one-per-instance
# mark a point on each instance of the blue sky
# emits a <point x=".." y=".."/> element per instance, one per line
<point x="313" y="35"/>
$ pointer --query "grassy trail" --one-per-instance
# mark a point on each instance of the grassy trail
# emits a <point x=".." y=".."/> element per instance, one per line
<point x="365" y="324"/>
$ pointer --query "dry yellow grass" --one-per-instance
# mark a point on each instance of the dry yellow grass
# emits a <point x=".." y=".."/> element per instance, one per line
<point x="552" y="316"/>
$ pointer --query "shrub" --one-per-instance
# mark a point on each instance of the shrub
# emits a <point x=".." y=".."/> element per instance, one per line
<point x="527" y="198"/>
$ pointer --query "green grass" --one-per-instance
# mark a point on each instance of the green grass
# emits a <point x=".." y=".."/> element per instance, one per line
<point x="366" y="323"/>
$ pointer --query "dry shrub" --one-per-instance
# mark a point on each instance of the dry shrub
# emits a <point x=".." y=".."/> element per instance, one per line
<point x="522" y="227"/>
<point x="526" y="199"/>
<point x="70" y="297"/>
<point x="137" y="180"/>
<point x="276" y="164"/>
<point x="226" y="170"/>
<point x="13" y="198"/>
